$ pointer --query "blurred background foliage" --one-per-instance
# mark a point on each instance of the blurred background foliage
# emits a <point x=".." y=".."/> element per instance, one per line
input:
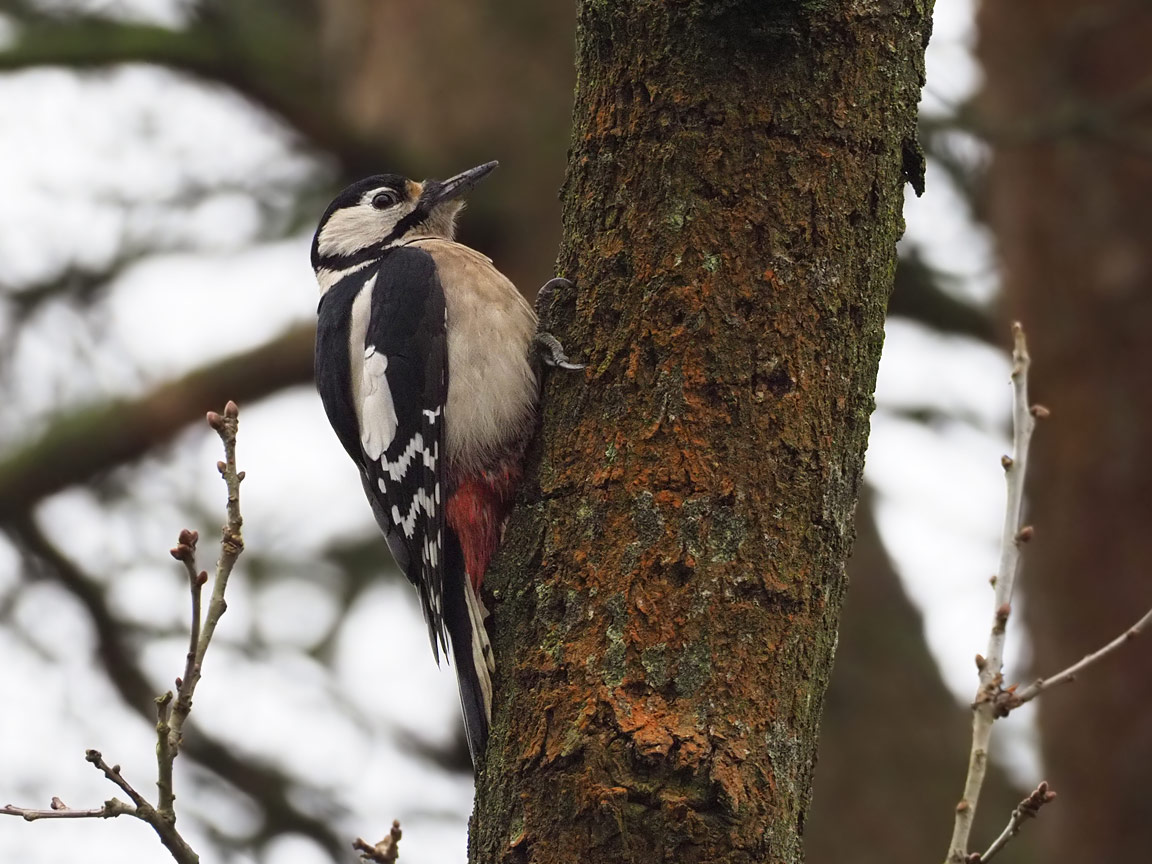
<point x="163" y="162"/>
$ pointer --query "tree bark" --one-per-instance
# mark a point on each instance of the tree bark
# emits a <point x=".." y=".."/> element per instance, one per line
<point x="666" y="603"/>
<point x="1067" y="96"/>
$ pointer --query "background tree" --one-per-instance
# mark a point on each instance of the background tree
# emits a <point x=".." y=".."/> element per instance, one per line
<point x="1068" y="112"/>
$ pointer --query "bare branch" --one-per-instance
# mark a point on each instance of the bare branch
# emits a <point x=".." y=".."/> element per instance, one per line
<point x="384" y="852"/>
<point x="213" y="50"/>
<point x="1026" y="809"/>
<point x="185" y="551"/>
<point x="81" y="445"/>
<point x="165" y="828"/>
<point x="170" y="722"/>
<point x="920" y="293"/>
<point x="1012" y="698"/>
<point x="1013" y="536"/>
<point x="112" y="772"/>
<point x="112" y="808"/>
<point x="165" y="757"/>
<point x="170" y="718"/>
<point x="231" y="545"/>
<point x="266" y="784"/>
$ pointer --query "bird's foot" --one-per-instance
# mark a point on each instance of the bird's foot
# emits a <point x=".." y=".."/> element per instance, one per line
<point x="551" y="351"/>
<point x="544" y="297"/>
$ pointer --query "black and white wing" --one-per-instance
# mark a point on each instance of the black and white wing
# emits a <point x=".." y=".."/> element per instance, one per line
<point x="399" y="401"/>
<point x="382" y="372"/>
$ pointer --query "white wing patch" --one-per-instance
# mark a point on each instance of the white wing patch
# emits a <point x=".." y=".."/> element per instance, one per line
<point x="377" y="412"/>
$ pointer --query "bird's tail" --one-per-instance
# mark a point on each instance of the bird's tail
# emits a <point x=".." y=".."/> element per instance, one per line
<point x="464" y="615"/>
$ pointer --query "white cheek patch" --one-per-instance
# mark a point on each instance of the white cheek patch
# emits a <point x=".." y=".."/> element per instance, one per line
<point x="351" y="229"/>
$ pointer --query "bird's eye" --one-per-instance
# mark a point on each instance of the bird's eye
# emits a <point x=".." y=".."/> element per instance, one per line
<point x="384" y="200"/>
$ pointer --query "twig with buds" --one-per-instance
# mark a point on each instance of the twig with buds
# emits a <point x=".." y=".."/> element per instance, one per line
<point x="1013" y="698"/>
<point x="1013" y="537"/>
<point x="384" y="852"/>
<point x="993" y="700"/>
<point x="1029" y="808"/>
<point x="172" y="710"/>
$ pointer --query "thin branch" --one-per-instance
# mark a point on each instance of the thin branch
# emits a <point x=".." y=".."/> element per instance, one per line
<point x="164" y="828"/>
<point x="170" y="724"/>
<point x="171" y="717"/>
<point x="1026" y="809"/>
<point x="384" y="852"/>
<point x="112" y="808"/>
<point x="165" y="757"/>
<point x="1012" y="698"/>
<point x="231" y="545"/>
<point x="1014" y="535"/>
<point x="112" y="772"/>
<point x="269" y="786"/>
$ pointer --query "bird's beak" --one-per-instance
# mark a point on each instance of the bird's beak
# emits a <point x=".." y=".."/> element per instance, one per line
<point x="438" y="191"/>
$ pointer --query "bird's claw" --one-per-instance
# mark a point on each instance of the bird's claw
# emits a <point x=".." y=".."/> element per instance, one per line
<point x="544" y="295"/>
<point x="552" y="352"/>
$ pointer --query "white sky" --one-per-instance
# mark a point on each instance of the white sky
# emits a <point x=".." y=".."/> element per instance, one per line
<point x="73" y="188"/>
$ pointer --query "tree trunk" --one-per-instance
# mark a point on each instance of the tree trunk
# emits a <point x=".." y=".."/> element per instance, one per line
<point x="665" y="607"/>
<point x="1071" y="204"/>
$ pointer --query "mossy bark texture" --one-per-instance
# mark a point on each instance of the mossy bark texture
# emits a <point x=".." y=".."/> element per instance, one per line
<point x="666" y="602"/>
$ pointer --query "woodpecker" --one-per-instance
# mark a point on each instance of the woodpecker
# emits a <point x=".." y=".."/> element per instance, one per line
<point x="426" y="366"/>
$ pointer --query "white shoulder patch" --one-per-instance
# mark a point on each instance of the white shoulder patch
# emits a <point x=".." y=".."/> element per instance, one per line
<point x="377" y="412"/>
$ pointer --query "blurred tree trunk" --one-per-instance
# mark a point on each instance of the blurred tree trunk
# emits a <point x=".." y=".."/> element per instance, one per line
<point x="1071" y="202"/>
<point x="666" y="603"/>
<point x="893" y="739"/>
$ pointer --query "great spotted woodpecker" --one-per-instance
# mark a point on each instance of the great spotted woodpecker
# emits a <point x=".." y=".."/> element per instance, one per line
<point x="425" y="364"/>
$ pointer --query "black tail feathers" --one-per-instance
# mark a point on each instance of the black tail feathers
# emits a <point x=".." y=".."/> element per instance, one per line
<point x="464" y="616"/>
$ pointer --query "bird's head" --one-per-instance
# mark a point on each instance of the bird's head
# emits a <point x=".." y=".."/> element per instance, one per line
<point x="386" y="209"/>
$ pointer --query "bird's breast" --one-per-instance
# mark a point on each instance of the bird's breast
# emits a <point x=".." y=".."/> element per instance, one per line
<point x="492" y="387"/>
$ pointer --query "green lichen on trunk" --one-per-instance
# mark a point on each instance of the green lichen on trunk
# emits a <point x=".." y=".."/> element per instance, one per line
<point x="665" y="606"/>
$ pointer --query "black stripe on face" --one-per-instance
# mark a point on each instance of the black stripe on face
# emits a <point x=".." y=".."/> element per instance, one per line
<point x="370" y="253"/>
<point x="407" y="224"/>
